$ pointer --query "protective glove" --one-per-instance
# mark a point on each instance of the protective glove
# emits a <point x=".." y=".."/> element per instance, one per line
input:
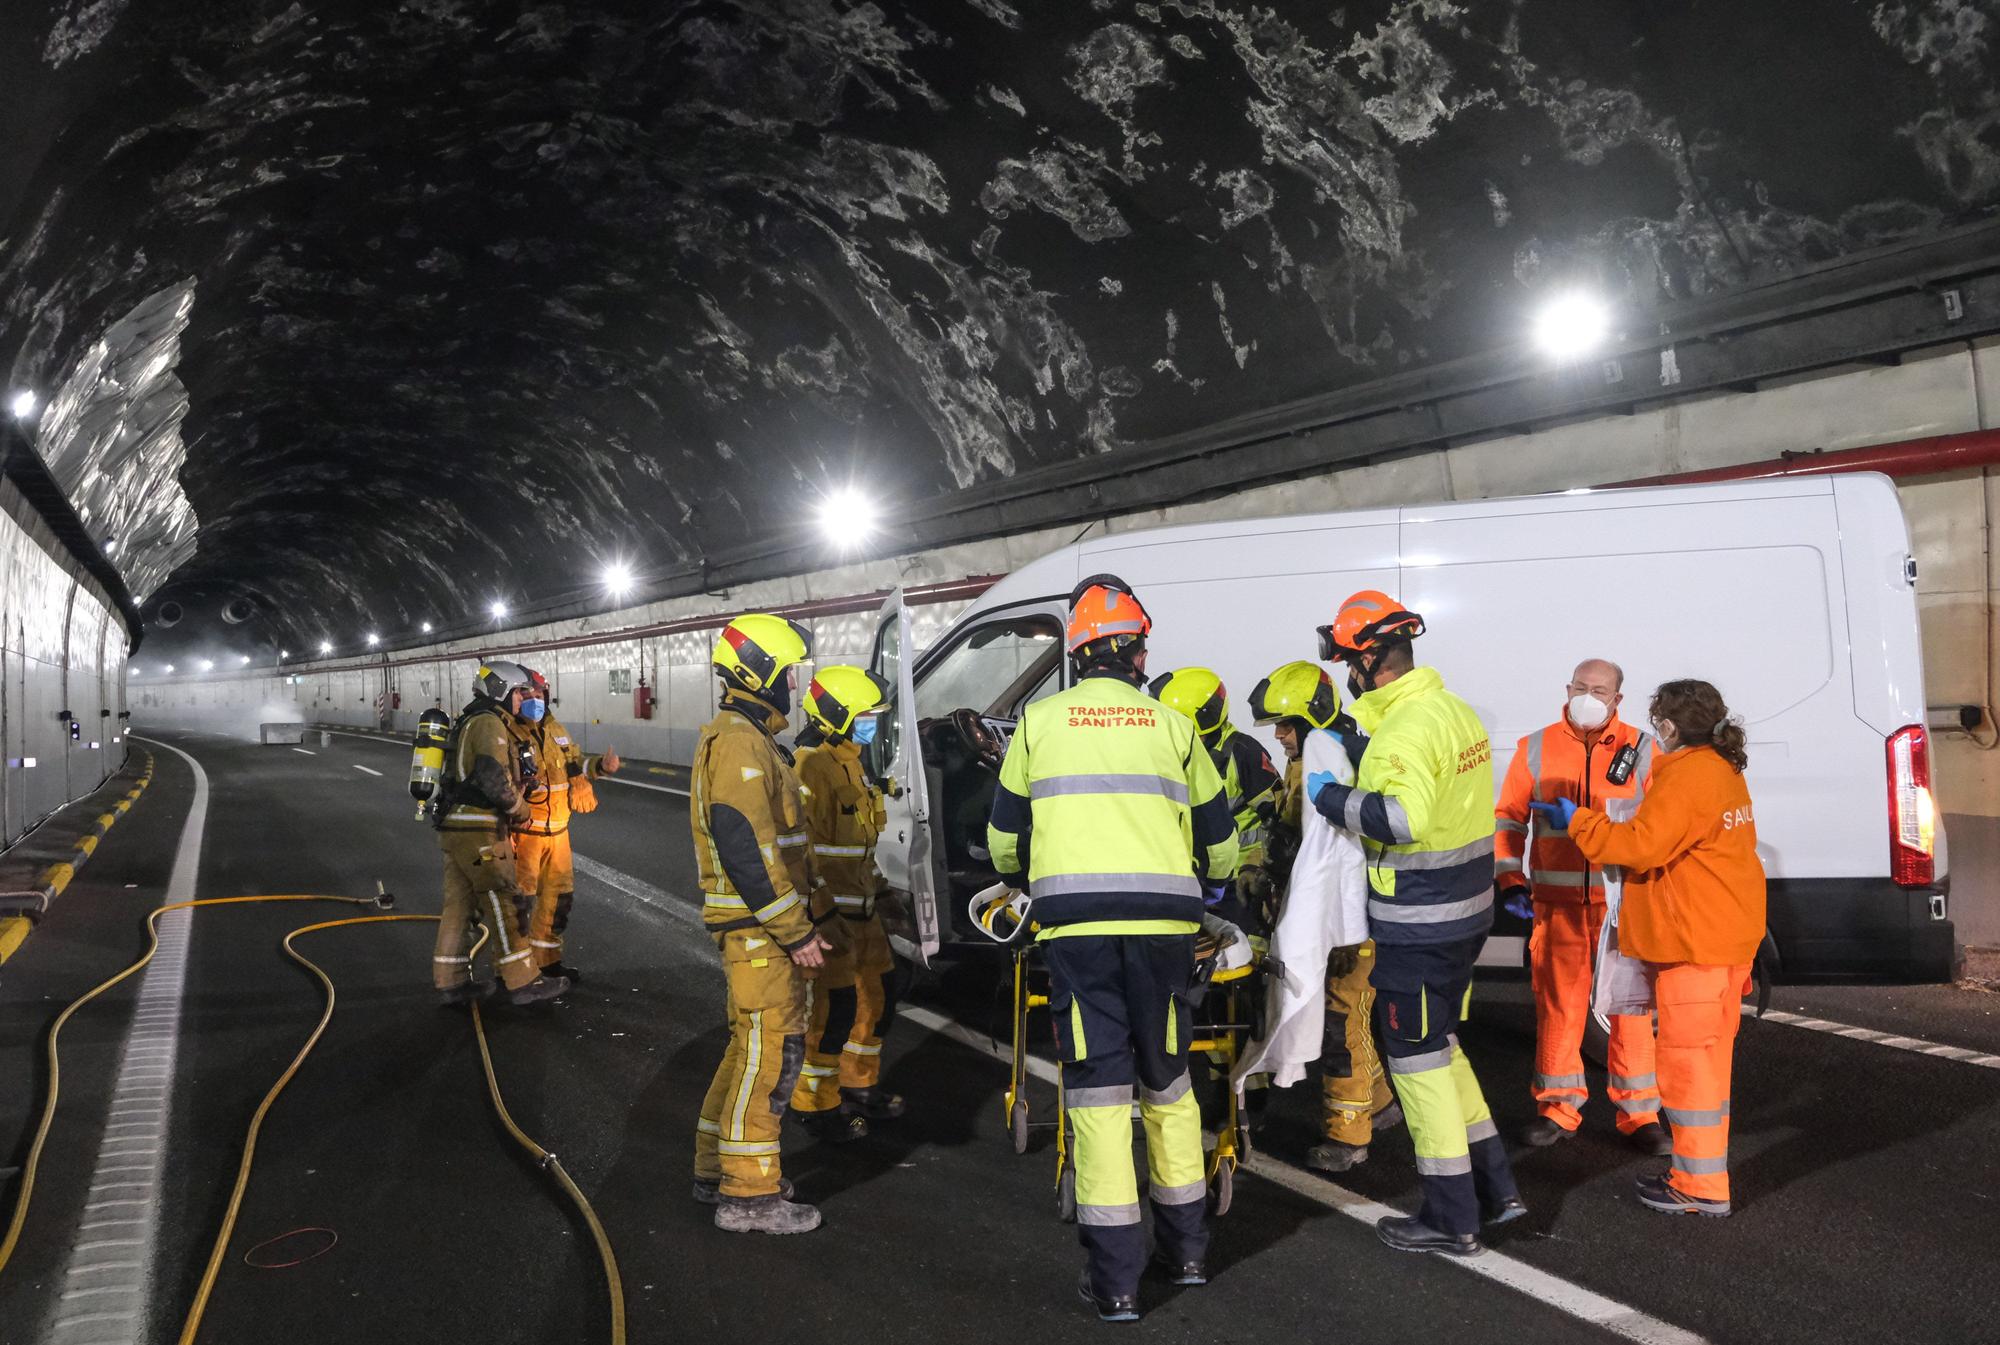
<point x="1315" y="782"/>
<point x="1212" y="894"/>
<point x="1343" y="961"/>
<point x="1519" y="902"/>
<point x="1557" y="814"/>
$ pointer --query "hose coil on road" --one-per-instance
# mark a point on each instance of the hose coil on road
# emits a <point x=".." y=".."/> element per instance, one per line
<point x="192" y="1323"/>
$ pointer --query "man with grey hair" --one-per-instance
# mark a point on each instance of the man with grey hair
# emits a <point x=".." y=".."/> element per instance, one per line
<point x="1590" y="756"/>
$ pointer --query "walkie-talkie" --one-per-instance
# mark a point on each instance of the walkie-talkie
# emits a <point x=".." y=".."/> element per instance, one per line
<point x="1623" y="764"/>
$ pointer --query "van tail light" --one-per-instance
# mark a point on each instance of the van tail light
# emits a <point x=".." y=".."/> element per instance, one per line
<point x="1912" y="811"/>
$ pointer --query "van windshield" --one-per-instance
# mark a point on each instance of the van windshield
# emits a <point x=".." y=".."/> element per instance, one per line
<point x="995" y="670"/>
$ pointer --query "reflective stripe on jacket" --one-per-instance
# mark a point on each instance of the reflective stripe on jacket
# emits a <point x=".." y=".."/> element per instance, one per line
<point x="749" y="826"/>
<point x="1422" y="804"/>
<point x="1110" y="808"/>
<point x="844" y="816"/>
<point x="559" y="760"/>
<point x="1561" y="762"/>
<point x="1251" y="783"/>
<point x="482" y="773"/>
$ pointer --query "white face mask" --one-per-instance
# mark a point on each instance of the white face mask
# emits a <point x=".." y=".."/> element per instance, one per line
<point x="1588" y="712"/>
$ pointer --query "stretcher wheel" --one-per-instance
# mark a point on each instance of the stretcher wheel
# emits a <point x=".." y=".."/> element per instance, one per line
<point x="1066" y="1196"/>
<point x="1225" y="1187"/>
<point x="1017" y="1124"/>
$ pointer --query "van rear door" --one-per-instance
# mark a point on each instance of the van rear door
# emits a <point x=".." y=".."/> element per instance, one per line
<point x="904" y="852"/>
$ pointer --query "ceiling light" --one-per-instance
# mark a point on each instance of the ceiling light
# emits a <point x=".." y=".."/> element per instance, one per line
<point x="111" y="546"/>
<point x="1570" y="326"/>
<point x="373" y="639"/>
<point x="208" y="665"/>
<point x="284" y="653"/>
<point x="137" y="671"/>
<point x="326" y="646"/>
<point x="168" y="668"/>
<point x="847" y="517"/>
<point x="618" y="579"/>
<point x="497" y="608"/>
<point x="22" y="405"/>
<point x="427" y="628"/>
<point x="243" y="659"/>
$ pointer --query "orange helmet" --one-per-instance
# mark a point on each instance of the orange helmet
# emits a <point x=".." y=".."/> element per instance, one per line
<point x="1367" y="621"/>
<point x="1103" y="609"/>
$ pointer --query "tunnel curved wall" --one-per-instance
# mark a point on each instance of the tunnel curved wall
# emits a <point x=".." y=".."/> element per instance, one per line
<point x="63" y="647"/>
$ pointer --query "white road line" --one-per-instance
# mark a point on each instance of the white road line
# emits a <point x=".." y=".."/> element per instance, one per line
<point x="359" y="767"/>
<point x="1571" y="1299"/>
<point x="145" y="1067"/>
<point x="1915" y="1045"/>
<point x="641" y="784"/>
<point x="638" y="889"/>
<point x="306" y="751"/>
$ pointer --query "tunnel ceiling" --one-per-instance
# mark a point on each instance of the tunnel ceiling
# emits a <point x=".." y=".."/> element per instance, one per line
<point x="487" y="293"/>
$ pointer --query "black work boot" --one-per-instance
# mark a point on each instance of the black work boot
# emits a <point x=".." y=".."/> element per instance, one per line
<point x="536" y="991"/>
<point x="877" y="1104"/>
<point x="838" y="1126"/>
<point x="1651" y="1138"/>
<point x="1541" y="1132"/>
<point x="1411" y="1234"/>
<point x="1120" y="1308"/>
<point x="1333" y="1156"/>
<point x="1506" y="1212"/>
<point x="565" y="971"/>
<point x="465" y="992"/>
<point x="1187" y="1274"/>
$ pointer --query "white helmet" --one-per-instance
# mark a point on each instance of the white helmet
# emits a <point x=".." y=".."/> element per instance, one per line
<point x="498" y="679"/>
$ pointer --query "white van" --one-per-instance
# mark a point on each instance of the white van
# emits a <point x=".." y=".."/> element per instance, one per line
<point x="1795" y="596"/>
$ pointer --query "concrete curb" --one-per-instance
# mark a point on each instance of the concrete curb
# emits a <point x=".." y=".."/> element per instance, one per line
<point x="28" y="908"/>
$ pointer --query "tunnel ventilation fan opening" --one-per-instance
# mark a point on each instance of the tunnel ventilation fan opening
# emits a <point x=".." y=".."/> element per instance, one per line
<point x="168" y="614"/>
<point x="238" y="610"/>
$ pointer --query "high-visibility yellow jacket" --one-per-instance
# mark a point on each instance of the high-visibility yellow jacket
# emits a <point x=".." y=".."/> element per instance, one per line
<point x="844" y="815"/>
<point x="1422" y="803"/>
<point x="1109" y="805"/>
<point x="749" y="826"/>
<point x="559" y="764"/>
<point x="1252" y="783"/>
<point x="482" y="772"/>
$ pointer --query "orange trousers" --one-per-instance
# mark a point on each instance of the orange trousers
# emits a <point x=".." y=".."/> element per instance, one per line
<point x="1700" y="1007"/>
<point x="1561" y="952"/>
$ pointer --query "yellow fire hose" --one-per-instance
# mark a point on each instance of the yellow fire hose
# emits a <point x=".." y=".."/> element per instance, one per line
<point x="192" y="1325"/>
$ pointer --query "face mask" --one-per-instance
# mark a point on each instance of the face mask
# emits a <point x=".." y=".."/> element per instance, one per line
<point x="1588" y="712"/>
<point x="864" y="730"/>
<point x="533" y="710"/>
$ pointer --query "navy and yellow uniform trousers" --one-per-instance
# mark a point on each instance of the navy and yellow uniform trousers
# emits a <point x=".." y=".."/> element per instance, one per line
<point x="1111" y="814"/>
<point x="1422" y="804"/>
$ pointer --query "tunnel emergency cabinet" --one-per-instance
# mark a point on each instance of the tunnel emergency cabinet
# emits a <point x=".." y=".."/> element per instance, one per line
<point x="1795" y="596"/>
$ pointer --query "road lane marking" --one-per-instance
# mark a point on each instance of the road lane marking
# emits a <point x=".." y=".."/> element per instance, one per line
<point x="1566" y="1297"/>
<point x="359" y="767"/>
<point x="638" y="889"/>
<point x="307" y="751"/>
<point x="146" y="1064"/>
<point x="1914" y="1045"/>
<point x="641" y="784"/>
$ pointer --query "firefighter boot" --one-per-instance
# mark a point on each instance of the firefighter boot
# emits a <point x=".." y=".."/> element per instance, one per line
<point x="707" y="1192"/>
<point x="877" y="1104"/>
<point x="1333" y="1156"/>
<point x="765" y="1214"/>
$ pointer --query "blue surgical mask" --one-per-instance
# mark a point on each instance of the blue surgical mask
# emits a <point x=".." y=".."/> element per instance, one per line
<point x="533" y="710"/>
<point x="864" y="730"/>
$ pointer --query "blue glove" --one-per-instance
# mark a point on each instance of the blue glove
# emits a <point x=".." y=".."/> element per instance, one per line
<point x="1557" y="814"/>
<point x="1315" y="782"/>
<point x="1212" y="894"/>
<point x="1520" y="904"/>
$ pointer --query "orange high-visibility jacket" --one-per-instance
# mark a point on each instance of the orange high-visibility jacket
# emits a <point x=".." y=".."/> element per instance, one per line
<point x="1561" y="761"/>
<point x="1694" y="887"/>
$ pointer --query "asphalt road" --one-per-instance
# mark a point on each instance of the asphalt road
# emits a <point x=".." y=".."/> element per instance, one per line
<point x="1867" y="1205"/>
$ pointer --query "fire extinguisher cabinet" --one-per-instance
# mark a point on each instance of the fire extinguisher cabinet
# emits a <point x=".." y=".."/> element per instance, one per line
<point x="642" y="701"/>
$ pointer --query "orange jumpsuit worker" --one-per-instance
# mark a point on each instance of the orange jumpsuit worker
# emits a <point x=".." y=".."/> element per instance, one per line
<point x="756" y="876"/>
<point x="1694" y="913"/>
<point x="542" y="859"/>
<point x="1589" y="755"/>
<point x="853" y="1001"/>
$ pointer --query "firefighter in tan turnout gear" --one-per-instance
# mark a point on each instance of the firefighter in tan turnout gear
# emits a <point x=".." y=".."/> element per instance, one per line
<point x="756" y="882"/>
<point x="853" y="1000"/>
<point x="542" y="855"/>
<point x="479" y="803"/>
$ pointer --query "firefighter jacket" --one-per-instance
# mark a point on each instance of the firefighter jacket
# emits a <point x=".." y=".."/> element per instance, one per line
<point x="844" y="815"/>
<point x="1251" y="783"/>
<point x="1111" y="810"/>
<point x="749" y="826"/>
<point x="559" y="763"/>
<point x="1423" y="806"/>
<point x="1694" y="887"/>
<point x="1562" y="761"/>
<point x="481" y="788"/>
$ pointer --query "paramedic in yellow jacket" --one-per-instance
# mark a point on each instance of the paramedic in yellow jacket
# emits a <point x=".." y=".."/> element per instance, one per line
<point x="853" y="1000"/>
<point x="542" y="860"/>
<point x="756" y="881"/>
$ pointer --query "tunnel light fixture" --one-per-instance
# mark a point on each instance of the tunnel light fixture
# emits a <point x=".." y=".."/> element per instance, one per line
<point x="497" y="609"/>
<point x="208" y="665"/>
<point x="22" y="404"/>
<point x="372" y="638"/>
<point x="168" y="668"/>
<point x="847" y="517"/>
<point x="137" y="671"/>
<point x="243" y="660"/>
<point x="427" y="628"/>
<point x="617" y="579"/>
<point x="1571" y="325"/>
<point x="326" y="646"/>
<point x="111" y="546"/>
<point x="284" y="654"/>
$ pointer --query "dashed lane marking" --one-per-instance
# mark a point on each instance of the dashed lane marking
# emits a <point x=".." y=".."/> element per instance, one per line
<point x="1571" y="1299"/>
<point x="306" y="750"/>
<point x="359" y="767"/>
<point x="642" y="784"/>
<point x="1915" y="1045"/>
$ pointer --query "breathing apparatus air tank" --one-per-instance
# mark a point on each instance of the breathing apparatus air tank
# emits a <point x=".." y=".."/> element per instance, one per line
<point x="427" y="758"/>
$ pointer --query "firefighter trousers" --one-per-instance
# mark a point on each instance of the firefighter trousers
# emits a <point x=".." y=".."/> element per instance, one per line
<point x="1561" y="954"/>
<point x="1119" y="1003"/>
<point x="1421" y="995"/>
<point x="480" y="888"/>
<point x="1353" y="1086"/>
<point x="546" y="870"/>
<point x="853" y="1003"/>
<point x="1701" y="1007"/>
<point x="736" y="1138"/>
